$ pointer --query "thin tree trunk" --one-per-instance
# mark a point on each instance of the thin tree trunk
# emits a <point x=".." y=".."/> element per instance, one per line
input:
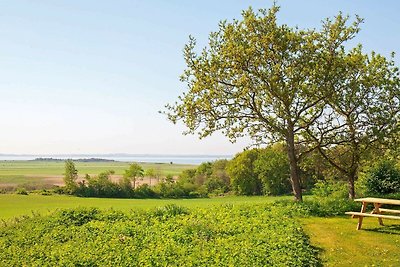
<point x="294" y="171"/>
<point x="350" y="181"/>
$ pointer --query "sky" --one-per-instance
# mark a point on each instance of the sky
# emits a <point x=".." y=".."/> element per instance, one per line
<point x="90" y="76"/>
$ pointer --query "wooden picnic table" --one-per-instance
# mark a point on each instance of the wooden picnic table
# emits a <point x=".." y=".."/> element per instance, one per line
<point x="377" y="212"/>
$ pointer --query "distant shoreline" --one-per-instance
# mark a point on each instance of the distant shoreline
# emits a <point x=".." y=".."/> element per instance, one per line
<point x="145" y="158"/>
<point x="76" y="160"/>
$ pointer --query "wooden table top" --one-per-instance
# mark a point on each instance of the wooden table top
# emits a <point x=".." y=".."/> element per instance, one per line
<point x="379" y="200"/>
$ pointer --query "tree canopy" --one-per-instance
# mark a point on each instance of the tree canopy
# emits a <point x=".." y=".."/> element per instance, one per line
<point x="268" y="81"/>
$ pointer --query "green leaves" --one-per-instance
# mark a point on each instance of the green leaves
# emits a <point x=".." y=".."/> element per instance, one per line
<point x="248" y="80"/>
<point x="274" y="83"/>
<point x="70" y="177"/>
<point x="244" y="235"/>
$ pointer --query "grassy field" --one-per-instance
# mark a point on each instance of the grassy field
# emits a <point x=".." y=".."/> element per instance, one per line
<point x="342" y="245"/>
<point x="22" y="173"/>
<point x="29" y="168"/>
<point x="12" y="205"/>
<point x="336" y="238"/>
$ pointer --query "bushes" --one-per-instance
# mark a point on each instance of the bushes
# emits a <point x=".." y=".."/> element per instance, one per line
<point x="320" y="206"/>
<point x="332" y="189"/>
<point x="329" y="199"/>
<point x="244" y="179"/>
<point x="227" y="235"/>
<point x="383" y="178"/>
<point x="21" y="191"/>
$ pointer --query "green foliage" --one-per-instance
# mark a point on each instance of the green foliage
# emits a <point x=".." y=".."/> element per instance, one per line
<point x="170" y="210"/>
<point x="70" y="177"/>
<point x="272" y="167"/>
<point x="244" y="180"/>
<point x="383" y="178"/>
<point x="21" y="191"/>
<point x="207" y="178"/>
<point x="320" y="206"/>
<point x="99" y="186"/>
<point x="171" y="236"/>
<point x="177" y="190"/>
<point x="134" y="172"/>
<point x="76" y="217"/>
<point x="273" y="83"/>
<point x="144" y="191"/>
<point x="187" y="176"/>
<point x="332" y="189"/>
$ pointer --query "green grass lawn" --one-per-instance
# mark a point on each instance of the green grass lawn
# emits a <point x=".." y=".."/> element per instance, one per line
<point x="12" y="205"/>
<point x="342" y="245"/>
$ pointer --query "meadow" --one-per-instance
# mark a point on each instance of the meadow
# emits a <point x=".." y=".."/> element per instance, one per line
<point x="330" y="241"/>
<point x="13" y="205"/>
<point x="334" y="238"/>
<point x="37" y="174"/>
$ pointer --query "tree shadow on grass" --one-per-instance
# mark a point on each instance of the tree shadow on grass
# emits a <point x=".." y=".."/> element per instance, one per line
<point x="393" y="229"/>
<point x="318" y="252"/>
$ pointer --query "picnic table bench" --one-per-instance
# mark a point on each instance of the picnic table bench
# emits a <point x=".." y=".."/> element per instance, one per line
<point x="377" y="212"/>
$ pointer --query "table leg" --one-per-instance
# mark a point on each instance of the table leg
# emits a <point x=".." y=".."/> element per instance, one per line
<point x="360" y="218"/>
<point x="377" y="211"/>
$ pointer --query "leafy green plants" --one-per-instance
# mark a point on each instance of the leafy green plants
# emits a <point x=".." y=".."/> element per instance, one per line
<point x="229" y="235"/>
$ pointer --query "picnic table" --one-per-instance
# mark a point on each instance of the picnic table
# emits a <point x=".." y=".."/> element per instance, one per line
<point x="377" y="211"/>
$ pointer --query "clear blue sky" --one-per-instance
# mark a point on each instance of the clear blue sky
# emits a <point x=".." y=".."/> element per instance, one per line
<point x="91" y="76"/>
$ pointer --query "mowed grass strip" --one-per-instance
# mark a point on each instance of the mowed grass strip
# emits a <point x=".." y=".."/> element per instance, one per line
<point x="342" y="245"/>
<point x="12" y="205"/>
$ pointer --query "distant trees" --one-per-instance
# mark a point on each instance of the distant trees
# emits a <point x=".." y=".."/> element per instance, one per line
<point x="260" y="171"/>
<point x="150" y="173"/>
<point x="134" y="172"/>
<point x="244" y="180"/>
<point x="101" y="186"/>
<point x="383" y="178"/>
<point x="70" y="177"/>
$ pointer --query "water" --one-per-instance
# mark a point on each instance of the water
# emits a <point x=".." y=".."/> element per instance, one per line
<point x="177" y="159"/>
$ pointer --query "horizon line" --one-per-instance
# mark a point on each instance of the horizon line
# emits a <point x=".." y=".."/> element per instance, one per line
<point x="114" y="155"/>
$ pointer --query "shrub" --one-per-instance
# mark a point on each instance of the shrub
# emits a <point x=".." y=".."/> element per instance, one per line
<point x="332" y="189"/>
<point x="45" y="192"/>
<point x="383" y="178"/>
<point x="320" y="206"/>
<point x="144" y="191"/>
<point x="244" y="180"/>
<point x="21" y="191"/>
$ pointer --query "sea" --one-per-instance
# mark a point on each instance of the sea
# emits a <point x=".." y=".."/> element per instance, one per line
<point x="176" y="159"/>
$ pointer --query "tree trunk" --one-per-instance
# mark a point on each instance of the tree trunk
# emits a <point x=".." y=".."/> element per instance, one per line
<point x="350" y="180"/>
<point x="294" y="170"/>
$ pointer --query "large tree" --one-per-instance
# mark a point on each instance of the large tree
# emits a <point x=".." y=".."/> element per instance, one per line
<point x="362" y="113"/>
<point x="261" y="79"/>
